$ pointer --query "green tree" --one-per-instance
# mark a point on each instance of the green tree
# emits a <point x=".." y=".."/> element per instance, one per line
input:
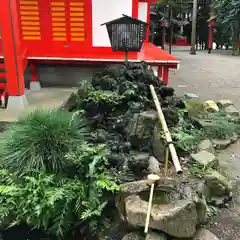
<point x="228" y="13"/>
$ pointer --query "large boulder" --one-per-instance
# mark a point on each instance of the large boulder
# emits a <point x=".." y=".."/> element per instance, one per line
<point x="140" y="129"/>
<point x="218" y="184"/>
<point x="178" y="219"/>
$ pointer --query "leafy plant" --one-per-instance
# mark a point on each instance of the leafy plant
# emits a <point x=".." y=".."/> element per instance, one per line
<point x="106" y="97"/>
<point x="222" y="128"/>
<point x="42" y="201"/>
<point x="186" y="136"/>
<point x="40" y="141"/>
<point x="55" y="203"/>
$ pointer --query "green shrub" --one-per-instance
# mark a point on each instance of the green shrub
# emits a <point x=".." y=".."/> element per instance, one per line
<point x="40" y="141"/>
<point x="55" y="203"/>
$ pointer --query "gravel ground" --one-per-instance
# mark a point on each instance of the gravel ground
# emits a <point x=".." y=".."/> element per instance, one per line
<point x="214" y="77"/>
<point x="211" y="76"/>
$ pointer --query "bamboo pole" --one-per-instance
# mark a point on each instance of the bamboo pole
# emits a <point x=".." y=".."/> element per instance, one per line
<point x="166" y="131"/>
<point x="166" y="161"/>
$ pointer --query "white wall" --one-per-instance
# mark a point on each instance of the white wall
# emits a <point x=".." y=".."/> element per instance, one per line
<point x="143" y="11"/>
<point x="104" y="11"/>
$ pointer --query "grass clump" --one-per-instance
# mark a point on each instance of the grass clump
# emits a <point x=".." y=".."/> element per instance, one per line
<point x="52" y="177"/>
<point x="40" y="141"/>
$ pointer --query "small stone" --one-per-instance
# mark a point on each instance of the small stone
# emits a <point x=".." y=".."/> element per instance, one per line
<point x="218" y="184"/>
<point x="205" y="158"/>
<point x="211" y="106"/>
<point x="154" y="166"/>
<point x="224" y="103"/>
<point x="221" y="143"/>
<point x="232" y="110"/>
<point x="133" y="236"/>
<point x="177" y="219"/>
<point x="155" y="236"/>
<point x="234" y="138"/>
<point x="191" y="96"/>
<point x="206" y="145"/>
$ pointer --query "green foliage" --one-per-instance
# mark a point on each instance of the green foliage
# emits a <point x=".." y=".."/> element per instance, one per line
<point x="228" y="12"/>
<point x="223" y="127"/>
<point x="41" y="141"/>
<point x="42" y="201"/>
<point x="197" y="170"/>
<point x="186" y="136"/>
<point x="105" y="97"/>
<point x="53" y="177"/>
<point x="54" y="203"/>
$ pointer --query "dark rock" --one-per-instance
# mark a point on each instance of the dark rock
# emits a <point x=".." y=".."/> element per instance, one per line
<point x="158" y="147"/>
<point x="117" y="159"/>
<point x="155" y="236"/>
<point x="166" y="92"/>
<point x="133" y="236"/>
<point x="101" y="135"/>
<point x="138" y="162"/>
<point x="140" y="129"/>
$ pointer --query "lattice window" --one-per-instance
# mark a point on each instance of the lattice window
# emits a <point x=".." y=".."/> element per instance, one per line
<point x="59" y="30"/>
<point x="77" y="21"/>
<point x="30" y="19"/>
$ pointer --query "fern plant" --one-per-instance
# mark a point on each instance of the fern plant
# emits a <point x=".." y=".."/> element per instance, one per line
<point x="40" y="141"/>
<point x="42" y="201"/>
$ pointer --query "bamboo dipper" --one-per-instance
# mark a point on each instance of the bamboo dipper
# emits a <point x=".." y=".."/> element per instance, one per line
<point x="152" y="179"/>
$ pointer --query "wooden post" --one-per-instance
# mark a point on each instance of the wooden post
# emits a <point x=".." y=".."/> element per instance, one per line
<point x="194" y="26"/>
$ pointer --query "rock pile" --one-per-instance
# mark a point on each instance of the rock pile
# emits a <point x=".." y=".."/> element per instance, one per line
<point x="120" y="111"/>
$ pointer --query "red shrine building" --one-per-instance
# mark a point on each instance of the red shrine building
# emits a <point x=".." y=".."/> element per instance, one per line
<point x="64" y="32"/>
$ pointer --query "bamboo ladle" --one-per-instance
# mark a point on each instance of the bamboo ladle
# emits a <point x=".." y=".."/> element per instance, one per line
<point x="152" y="179"/>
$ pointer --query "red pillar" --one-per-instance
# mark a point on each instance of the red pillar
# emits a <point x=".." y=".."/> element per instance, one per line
<point x="160" y="71"/>
<point x="33" y="73"/>
<point x="12" y="47"/>
<point x="165" y="74"/>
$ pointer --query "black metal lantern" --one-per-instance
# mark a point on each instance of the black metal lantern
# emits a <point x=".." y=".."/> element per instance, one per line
<point x="126" y="34"/>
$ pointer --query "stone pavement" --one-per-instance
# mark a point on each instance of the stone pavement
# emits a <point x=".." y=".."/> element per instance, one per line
<point x="46" y="98"/>
<point x="211" y="76"/>
<point x="214" y="77"/>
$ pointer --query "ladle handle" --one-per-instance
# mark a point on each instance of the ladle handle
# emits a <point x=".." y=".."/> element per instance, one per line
<point x="149" y="208"/>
